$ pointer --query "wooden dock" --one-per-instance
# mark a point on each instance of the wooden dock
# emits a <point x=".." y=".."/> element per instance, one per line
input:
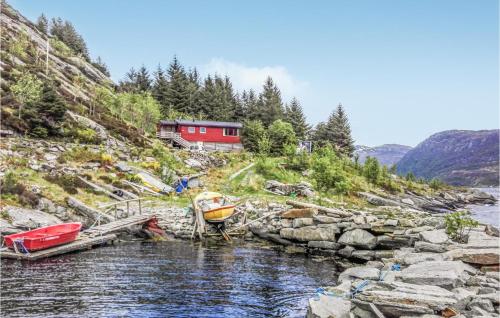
<point x="87" y="239"/>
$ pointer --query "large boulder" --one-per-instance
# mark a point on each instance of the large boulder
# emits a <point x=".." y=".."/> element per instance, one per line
<point x="361" y="272"/>
<point x="434" y="237"/>
<point x="480" y="256"/>
<point x="29" y="218"/>
<point x="310" y="233"/>
<point x="328" y="307"/>
<point x="446" y="274"/>
<point x="358" y="238"/>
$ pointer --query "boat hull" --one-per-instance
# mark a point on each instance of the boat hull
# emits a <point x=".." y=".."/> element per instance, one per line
<point x="45" y="237"/>
<point x="219" y="214"/>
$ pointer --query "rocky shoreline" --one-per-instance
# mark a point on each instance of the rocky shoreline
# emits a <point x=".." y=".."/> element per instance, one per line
<point x="394" y="256"/>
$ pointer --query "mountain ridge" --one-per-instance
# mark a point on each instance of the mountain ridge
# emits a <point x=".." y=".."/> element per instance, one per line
<point x="457" y="157"/>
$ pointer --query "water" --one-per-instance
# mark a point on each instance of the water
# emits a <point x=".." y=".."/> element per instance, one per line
<point x="489" y="214"/>
<point x="163" y="280"/>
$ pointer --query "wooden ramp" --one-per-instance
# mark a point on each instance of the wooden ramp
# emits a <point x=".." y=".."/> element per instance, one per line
<point x="119" y="225"/>
<point x="82" y="243"/>
<point x="86" y="240"/>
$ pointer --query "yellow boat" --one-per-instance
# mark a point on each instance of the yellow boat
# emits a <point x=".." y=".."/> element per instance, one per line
<point x="215" y="207"/>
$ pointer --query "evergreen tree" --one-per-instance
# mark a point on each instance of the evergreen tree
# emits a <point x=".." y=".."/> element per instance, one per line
<point x="142" y="80"/>
<point x="177" y="94"/>
<point x="250" y="104"/>
<point x="101" y="66"/>
<point x="66" y="32"/>
<point x="270" y="106"/>
<point x="42" y="24"/>
<point x="160" y="86"/>
<point x="45" y="115"/>
<point x="339" y="131"/>
<point x="320" y="135"/>
<point x="295" y="116"/>
<point x="208" y="98"/>
<point x="240" y="111"/>
<point x="194" y="93"/>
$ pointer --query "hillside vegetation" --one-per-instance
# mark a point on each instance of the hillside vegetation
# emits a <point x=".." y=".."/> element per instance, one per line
<point x="457" y="157"/>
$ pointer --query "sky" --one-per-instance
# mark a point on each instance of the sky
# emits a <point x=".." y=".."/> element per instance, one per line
<point x="403" y="69"/>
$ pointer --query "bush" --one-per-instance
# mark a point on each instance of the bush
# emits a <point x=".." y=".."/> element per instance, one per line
<point x="87" y="135"/>
<point x="281" y="135"/>
<point x="458" y="225"/>
<point x="297" y="160"/>
<point x="328" y="171"/>
<point x="252" y="134"/>
<point x="68" y="182"/>
<point x="80" y="154"/>
<point x="436" y="184"/>
<point x="39" y="132"/>
<point x="371" y="170"/>
<point x="10" y="185"/>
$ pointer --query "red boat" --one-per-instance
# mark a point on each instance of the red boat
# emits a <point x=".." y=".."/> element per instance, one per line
<point x="44" y="237"/>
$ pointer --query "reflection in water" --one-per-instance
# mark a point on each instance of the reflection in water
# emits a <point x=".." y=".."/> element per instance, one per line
<point x="163" y="279"/>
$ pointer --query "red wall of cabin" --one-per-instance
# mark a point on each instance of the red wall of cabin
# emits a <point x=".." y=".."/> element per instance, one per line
<point x="213" y="134"/>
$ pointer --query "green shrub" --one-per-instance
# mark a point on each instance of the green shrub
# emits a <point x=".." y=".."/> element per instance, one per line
<point x="10" y="185"/>
<point x="299" y="161"/>
<point x="458" y="225"/>
<point x="87" y="135"/>
<point x="371" y="170"/>
<point x="436" y="184"/>
<point x="68" y="182"/>
<point x="60" y="48"/>
<point x="329" y="171"/>
<point x="281" y="135"/>
<point x="251" y="135"/>
<point x="39" y="132"/>
<point x="80" y="154"/>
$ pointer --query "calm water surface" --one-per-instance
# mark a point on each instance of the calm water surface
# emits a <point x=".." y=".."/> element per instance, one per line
<point x="489" y="214"/>
<point x="167" y="279"/>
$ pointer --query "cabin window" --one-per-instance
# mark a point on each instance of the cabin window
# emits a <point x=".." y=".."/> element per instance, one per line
<point x="191" y="130"/>
<point x="230" y="131"/>
<point x="203" y="130"/>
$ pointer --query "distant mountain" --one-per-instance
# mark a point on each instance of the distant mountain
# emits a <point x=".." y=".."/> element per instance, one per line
<point x="457" y="157"/>
<point x="386" y="154"/>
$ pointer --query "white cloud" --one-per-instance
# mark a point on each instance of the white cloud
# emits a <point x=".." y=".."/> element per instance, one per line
<point x="245" y="77"/>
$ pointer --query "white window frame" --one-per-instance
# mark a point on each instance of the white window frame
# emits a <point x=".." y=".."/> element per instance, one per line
<point x="203" y="130"/>
<point x="224" y="132"/>
<point x="191" y="130"/>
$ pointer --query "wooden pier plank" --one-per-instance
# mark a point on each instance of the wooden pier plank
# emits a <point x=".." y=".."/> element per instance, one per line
<point x="88" y="238"/>
<point x="80" y="244"/>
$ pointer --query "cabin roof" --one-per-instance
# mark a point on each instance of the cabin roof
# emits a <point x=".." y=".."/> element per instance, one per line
<point x="208" y="123"/>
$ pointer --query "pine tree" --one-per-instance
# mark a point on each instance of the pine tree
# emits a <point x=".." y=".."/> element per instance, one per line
<point x="194" y="93"/>
<point x="101" y="66"/>
<point x="177" y="94"/>
<point x="320" y="135"/>
<point x="42" y="24"/>
<point x="339" y="131"/>
<point x="159" y="86"/>
<point x="250" y="105"/>
<point x="270" y="105"/>
<point x="208" y="98"/>
<point x="44" y="115"/>
<point x="142" y="80"/>
<point x="295" y="116"/>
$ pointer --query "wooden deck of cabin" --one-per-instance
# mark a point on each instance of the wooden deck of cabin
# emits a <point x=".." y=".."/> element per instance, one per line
<point x="87" y="239"/>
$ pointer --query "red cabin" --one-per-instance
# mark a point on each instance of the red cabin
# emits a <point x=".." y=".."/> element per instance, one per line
<point x="201" y="134"/>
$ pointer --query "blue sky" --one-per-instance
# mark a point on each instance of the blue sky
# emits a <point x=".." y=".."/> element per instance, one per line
<point x="402" y="69"/>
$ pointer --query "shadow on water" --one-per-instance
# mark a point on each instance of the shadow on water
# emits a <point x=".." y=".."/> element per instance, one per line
<point x="164" y="279"/>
